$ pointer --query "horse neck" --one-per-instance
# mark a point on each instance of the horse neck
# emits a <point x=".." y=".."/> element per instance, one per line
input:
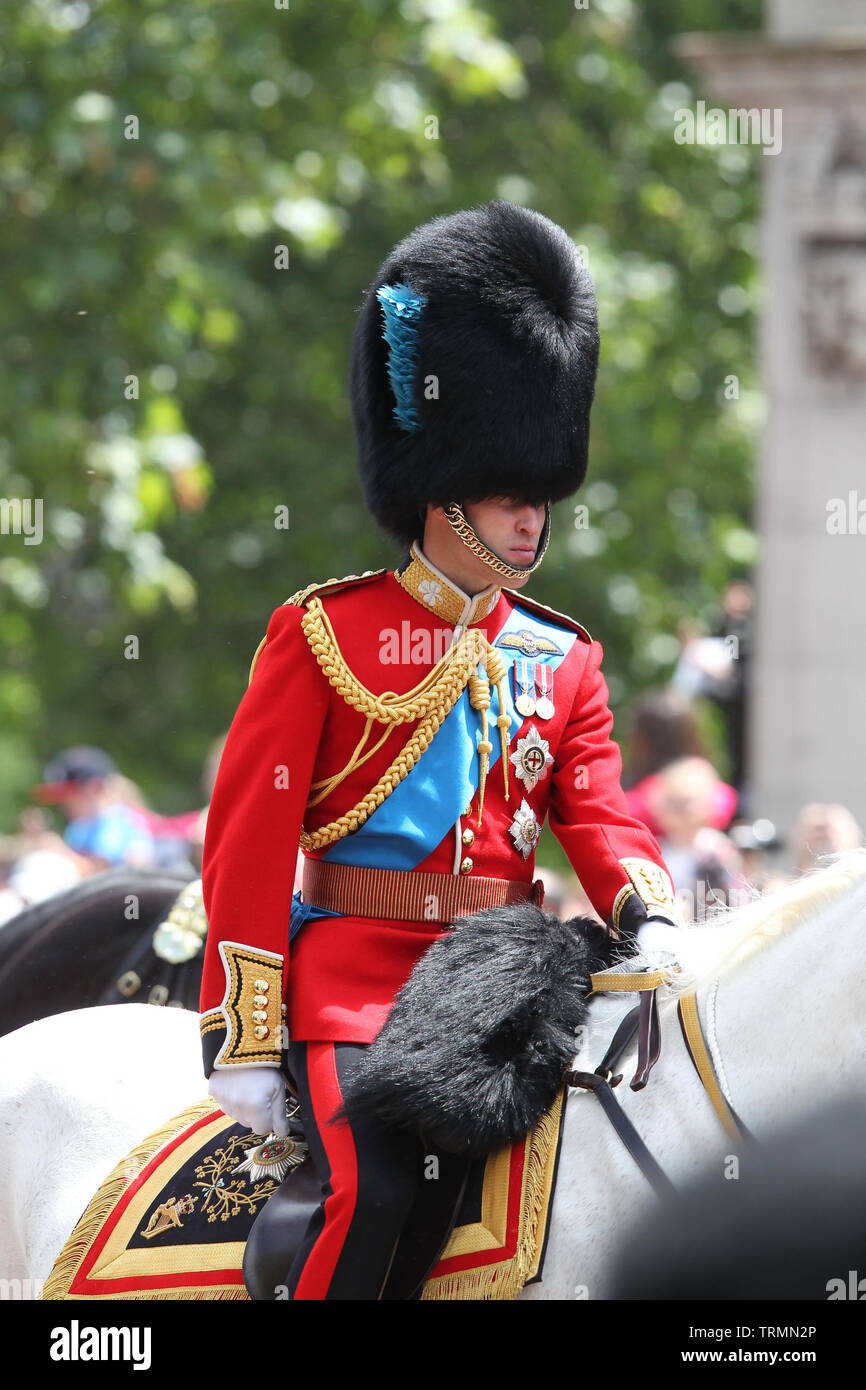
<point x="673" y="1113"/>
<point x="789" y="1021"/>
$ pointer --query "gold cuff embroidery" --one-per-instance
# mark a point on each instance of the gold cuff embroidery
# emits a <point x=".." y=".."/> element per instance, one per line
<point x="254" y="1033"/>
<point x="652" y="885"/>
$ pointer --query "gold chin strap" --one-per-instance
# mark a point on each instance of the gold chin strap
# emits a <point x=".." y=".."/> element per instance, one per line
<point x="464" y="530"/>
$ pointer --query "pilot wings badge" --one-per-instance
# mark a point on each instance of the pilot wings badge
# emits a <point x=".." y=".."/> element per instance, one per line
<point x="530" y="643"/>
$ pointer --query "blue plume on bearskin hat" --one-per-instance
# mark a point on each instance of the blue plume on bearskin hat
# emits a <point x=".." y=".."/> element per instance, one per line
<point x="402" y="310"/>
<point x="473" y="366"/>
<point x="478" y="1040"/>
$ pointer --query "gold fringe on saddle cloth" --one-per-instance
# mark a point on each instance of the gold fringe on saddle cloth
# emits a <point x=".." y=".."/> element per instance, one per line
<point x="494" y="1258"/>
<point x="64" y="1283"/>
<point x="490" y="1254"/>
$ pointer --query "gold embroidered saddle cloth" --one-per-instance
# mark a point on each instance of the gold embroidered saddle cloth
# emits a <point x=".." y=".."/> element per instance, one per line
<point x="172" y="1219"/>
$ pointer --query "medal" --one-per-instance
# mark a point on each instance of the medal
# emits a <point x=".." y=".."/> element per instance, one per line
<point x="532" y="759"/>
<point x="524" y="829"/>
<point x="523" y="685"/>
<point x="273" y="1158"/>
<point x="544" y="706"/>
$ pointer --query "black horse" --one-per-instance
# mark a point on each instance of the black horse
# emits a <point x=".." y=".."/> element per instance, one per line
<point x="94" y="944"/>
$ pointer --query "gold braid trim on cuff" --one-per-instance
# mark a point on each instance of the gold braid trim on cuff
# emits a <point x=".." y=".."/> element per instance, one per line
<point x="653" y="886"/>
<point x="251" y="1006"/>
<point x="430" y="701"/>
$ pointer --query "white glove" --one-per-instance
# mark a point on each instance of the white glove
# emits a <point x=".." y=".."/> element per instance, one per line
<point x="658" y="936"/>
<point x="664" y="945"/>
<point x="254" y="1096"/>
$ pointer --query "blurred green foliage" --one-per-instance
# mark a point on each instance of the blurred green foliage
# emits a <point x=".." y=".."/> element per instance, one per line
<point x="171" y="382"/>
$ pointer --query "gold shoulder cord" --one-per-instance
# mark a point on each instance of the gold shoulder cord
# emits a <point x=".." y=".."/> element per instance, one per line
<point x="298" y="600"/>
<point x="430" y="701"/>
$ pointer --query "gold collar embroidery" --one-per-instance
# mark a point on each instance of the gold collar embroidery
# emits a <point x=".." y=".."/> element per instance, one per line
<point x="440" y="595"/>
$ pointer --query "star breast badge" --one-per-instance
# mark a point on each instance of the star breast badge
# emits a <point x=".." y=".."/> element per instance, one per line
<point x="524" y="829"/>
<point x="532" y="760"/>
<point x="273" y="1158"/>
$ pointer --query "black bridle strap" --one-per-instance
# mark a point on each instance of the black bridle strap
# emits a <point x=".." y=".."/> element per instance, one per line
<point x="620" y="1041"/>
<point x="591" y="1081"/>
<point x="602" y="1080"/>
<point x="649" y="1039"/>
<point x="644" y="1020"/>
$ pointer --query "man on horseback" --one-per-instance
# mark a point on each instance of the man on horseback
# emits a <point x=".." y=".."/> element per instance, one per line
<point x="472" y="376"/>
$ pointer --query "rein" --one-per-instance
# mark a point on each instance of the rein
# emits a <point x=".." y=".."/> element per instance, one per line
<point x="643" y="1019"/>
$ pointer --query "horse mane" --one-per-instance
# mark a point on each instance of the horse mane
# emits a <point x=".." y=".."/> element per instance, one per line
<point x="704" y="953"/>
<point x="732" y="935"/>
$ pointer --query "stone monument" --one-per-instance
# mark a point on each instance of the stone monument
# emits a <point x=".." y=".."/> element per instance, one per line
<point x="807" y="721"/>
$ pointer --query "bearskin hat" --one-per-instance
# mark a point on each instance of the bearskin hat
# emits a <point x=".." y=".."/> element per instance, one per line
<point x="473" y="366"/>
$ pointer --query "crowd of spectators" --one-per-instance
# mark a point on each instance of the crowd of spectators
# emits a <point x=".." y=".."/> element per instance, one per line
<point x="719" y="849"/>
<point x="106" y="822"/>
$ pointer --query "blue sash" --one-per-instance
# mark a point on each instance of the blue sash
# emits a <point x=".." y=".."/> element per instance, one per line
<point x="415" y="818"/>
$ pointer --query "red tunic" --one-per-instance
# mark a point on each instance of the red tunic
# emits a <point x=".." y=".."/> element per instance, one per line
<point x="294" y="729"/>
